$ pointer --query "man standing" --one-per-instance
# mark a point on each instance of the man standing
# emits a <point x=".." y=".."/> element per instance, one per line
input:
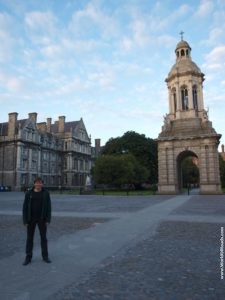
<point x="37" y="211"/>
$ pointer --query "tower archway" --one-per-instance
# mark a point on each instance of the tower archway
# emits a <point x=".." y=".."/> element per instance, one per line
<point x="187" y="130"/>
<point x="188" y="173"/>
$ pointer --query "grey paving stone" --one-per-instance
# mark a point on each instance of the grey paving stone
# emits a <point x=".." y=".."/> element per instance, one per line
<point x="158" y="247"/>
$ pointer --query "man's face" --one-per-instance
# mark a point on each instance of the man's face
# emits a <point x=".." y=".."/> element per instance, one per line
<point x="38" y="185"/>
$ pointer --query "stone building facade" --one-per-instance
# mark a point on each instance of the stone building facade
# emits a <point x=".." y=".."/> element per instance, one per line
<point x="187" y="130"/>
<point x="59" y="152"/>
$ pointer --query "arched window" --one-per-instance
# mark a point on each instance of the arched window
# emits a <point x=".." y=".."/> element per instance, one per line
<point x="182" y="52"/>
<point x="187" y="53"/>
<point x="174" y="99"/>
<point x="184" y="98"/>
<point x="195" y="97"/>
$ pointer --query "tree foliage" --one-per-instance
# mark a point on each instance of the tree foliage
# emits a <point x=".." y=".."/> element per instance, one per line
<point x="142" y="148"/>
<point x="119" y="170"/>
<point x="190" y="171"/>
<point x="222" y="171"/>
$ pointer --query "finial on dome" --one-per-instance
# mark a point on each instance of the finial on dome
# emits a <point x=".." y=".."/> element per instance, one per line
<point x="181" y="35"/>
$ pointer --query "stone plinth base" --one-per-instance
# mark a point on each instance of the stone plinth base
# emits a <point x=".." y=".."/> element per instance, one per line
<point x="210" y="189"/>
<point x="167" y="189"/>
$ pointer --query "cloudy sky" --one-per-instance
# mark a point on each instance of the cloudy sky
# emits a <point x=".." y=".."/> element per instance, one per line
<point x="106" y="60"/>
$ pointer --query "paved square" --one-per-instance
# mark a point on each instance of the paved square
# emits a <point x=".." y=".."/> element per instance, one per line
<point x="103" y="247"/>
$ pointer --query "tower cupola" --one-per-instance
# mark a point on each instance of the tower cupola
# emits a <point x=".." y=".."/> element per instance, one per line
<point x="184" y="84"/>
<point x="183" y="50"/>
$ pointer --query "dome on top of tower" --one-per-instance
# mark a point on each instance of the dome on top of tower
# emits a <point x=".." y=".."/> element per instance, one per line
<point x="182" y="44"/>
<point x="184" y="64"/>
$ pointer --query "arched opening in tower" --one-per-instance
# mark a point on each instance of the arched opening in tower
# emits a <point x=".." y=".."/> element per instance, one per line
<point x="188" y="171"/>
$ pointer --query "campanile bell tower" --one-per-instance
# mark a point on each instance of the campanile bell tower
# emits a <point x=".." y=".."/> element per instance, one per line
<point x="187" y="130"/>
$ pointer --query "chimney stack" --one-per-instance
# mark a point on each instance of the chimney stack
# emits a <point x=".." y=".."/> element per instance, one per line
<point x="61" y="123"/>
<point x="98" y="144"/>
<point x="49" y="123"/>
<point x="33" y="116"/>
<point x="12" y="124"/>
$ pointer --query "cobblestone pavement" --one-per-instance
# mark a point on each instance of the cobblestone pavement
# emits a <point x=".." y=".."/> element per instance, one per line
<point x="86" y="203"/>
<point x="13" y="233"/>
<point x="182" y="261"/>
<point x="179" y="260"/>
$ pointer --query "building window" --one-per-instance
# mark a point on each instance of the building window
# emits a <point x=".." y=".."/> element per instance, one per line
<point x="34" y="154"/>
<point x="45" y="179"/>
<point x="24" y="164"/>
<point x="174" y="95"/>
<point x="33" y="177"/>
<point x="81" y="165"/>
<point x="23" y="179"/>
<point x="195" y="97"/>
<point x="25" y="151"/>
<point x="45" y="155"/>
<point x="65" y="163"/>
<point x="34" y="164"/>
<point x="184" y="98"/>
<point x="45" y="167"/>
<point x="75" y="164"/>
<point x="65" y="179"/>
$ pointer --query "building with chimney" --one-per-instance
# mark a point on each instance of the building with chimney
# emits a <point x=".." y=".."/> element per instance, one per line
<point x="59" y="152"/>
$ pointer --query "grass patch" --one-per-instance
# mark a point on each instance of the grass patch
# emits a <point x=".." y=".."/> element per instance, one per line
<point x="105" y="192"/>
<point x="123" y="192"/>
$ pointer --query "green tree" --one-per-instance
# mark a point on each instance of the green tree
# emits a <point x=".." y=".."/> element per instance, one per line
<point x="190" y="171"/>
<point x="118" y="170"/>
<point x="143" y="149"/>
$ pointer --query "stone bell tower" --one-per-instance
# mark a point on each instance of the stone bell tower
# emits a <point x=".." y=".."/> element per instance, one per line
<point x="187" y="130"/>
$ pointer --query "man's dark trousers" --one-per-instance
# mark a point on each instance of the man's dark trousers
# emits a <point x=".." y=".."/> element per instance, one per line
<point x="30" y="238"/>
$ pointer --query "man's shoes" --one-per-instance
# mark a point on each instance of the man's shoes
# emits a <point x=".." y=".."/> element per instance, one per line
<point x="47" y="260"/>
<point x="27" y="261"/>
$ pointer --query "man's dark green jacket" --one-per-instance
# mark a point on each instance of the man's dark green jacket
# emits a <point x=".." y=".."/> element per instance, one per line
<point x="46" y="207"/>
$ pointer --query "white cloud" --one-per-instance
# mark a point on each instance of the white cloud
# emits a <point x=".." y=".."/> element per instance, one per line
<point x="212" y="66"/>
<point x="40" y="21"/>
<point x="6" y="38"/>
<point x="42" y="28"/>
<point x="104" y="79"/>
<point x="51" y="51"/>
<point x="11" y="83"/>
<point x="215" y="62"/>
<point x="126" y="44"/>
<point x="140" y="113"/>
<point x="205" y="8"/>
<point x="181" y="11"/>
<point x="91" y="15"/>
<point x="141" y="88"/>
<point x="215" y="34"/>
<point x="166" y="40"/>
<point x="217" y="55"/>
<point x="140" y="33"/>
